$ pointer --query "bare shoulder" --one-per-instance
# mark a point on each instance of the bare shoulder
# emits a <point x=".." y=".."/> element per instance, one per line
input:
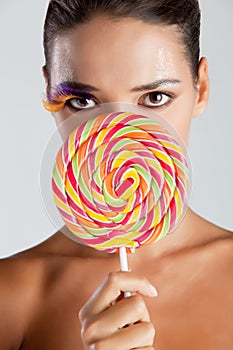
<point x="20" y="281"/>
<point x="211" y="237"/>
<point x="213" y="288"/>
<point x="223" y="245"/>
<point x="220" y="242"/>
<point x="26" y="281"/>
<point x="221" y="253"/>
<point x="195" y="290"/>
<point x="216" y="247"/>
<point x="217" y="256"/>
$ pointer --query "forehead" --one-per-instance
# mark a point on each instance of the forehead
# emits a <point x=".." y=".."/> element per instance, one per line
<point x="103" y="49"/>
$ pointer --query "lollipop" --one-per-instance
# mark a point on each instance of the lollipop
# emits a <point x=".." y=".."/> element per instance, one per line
<point x="120" y="180"/>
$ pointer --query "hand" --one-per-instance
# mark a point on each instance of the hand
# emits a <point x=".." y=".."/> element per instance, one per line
<point x="105" y="318"/>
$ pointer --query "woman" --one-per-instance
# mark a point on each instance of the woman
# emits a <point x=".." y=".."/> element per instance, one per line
<point x="52" y="296"/>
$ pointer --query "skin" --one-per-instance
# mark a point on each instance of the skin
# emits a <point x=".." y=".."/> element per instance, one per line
<point x="61" y="295"/>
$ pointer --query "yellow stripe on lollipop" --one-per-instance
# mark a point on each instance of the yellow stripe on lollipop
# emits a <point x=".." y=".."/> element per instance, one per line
<point x="122" y="157"/>
<point x="99" y="154"/>
<point x="61" y="204"/>
<point x="163" y="156"/>
<point x="135" y="214"/>
<point x="126" y="241"/>
<point x="118" y="119"/>
<point x="130" y="173"/>
<point x="96" y="216"/>
<point x="154" y="163"/>
<point x="72" y="143"/>
<point x="72" y="194"/>
<point x="100" y="137"/>
<point x="178" y="203"/>
<point x="97" y="197"/>
<point x="130" y="204"/>
<point x="172" y="146"/>
<point x="157" y="215"/>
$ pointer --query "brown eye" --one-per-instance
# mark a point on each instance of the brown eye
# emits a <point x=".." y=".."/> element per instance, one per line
<point x="81" y="103"/>
<point x="156" y="99"/>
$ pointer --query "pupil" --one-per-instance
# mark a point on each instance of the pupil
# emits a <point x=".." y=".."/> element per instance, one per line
<point x="82" y="101"/>
<point x="155" y="98"/>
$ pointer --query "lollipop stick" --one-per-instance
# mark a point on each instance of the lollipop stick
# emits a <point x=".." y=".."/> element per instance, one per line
<point x="124" y="265"/>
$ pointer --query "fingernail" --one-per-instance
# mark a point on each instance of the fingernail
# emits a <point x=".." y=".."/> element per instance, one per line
<point x="153" y="291"/>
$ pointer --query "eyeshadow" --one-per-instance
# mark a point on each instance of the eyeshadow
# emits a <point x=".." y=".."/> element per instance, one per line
<point x="64" y="90"/>
<point x="57" y="96"/>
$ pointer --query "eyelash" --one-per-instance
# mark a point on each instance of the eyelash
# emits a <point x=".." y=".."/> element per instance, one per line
<point x="57" y="103"/>
<point x="171" y="96"/>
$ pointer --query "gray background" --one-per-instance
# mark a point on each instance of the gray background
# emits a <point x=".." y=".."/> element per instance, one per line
<point x="26" y="128"/>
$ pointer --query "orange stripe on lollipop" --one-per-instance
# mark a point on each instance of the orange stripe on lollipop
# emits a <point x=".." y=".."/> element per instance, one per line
<point x="155" y="234"/>
<point x="138" y="135"/>
<point x="85" y="174"/>
<point x="86" y="223"/>
<point x="108" y="183"/>
<point x="60" y="163"/>
<point x="167" y="193"/>
<point x="148" y="128"/>
<point x="74" y="228"/>
<point x="102" y="170"/>
<point x="143" y="186"/>
<point x="82" y="153"/>
<point x="97" y="122"/>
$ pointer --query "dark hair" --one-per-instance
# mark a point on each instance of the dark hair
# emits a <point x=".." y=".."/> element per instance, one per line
<point x="63" y="15"/>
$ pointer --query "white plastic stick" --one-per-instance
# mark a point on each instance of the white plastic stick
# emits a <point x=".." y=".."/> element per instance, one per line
<point x="124" y="265"/>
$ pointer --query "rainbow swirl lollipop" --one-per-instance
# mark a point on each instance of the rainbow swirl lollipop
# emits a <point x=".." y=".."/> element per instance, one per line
<point x="120" y="180"/>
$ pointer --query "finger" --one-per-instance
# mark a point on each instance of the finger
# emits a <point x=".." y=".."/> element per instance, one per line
<point x="111" y="288"/>
<point x="125" y="312"/>
<point x="138" y="336"/>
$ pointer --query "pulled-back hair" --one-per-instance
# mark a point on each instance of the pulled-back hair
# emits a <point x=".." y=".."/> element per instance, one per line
<point x="63" y="15"/>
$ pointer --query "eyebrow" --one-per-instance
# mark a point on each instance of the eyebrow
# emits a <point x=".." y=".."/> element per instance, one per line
<point x="86" y="87"/>
<point x="67" y="87"/>
<point x="156" y="84"/>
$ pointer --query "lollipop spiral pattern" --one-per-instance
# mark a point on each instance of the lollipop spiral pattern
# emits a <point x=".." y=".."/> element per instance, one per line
<point x="120" y="180"/>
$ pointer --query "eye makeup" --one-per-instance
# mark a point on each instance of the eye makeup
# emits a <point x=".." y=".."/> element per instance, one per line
<point x="59" y="95"/>
<point x="65" y="92"/>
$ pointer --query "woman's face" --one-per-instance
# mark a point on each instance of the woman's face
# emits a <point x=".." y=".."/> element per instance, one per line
<point x="127" y="61"/>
